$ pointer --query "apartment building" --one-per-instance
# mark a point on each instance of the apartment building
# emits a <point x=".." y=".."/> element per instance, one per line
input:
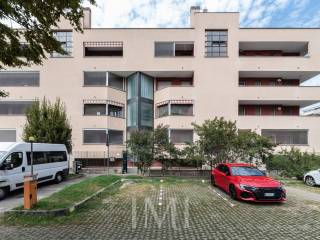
<point x="123" y="79"/>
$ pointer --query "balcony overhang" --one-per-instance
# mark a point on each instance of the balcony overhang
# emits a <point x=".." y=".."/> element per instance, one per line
<point x="181" y="74"/>
<point x="301" y="103"/>
<point x="302" y="75"/>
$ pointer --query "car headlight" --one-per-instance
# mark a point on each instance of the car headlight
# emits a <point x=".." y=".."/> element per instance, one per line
<point x="248" y="188"/>
<point x="281" y="187"/>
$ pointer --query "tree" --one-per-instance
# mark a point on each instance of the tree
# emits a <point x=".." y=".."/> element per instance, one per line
<point x="216" y="138"/>
<point x="162" y="146"/>
<point x="140" y="145"/>
<point x="294" y="163"/>
<point x="192" y="155"/>
<point x="37" y="20"/>
<point x="251" y="147"/>
<point x="48" y="123"/>
<point x="148" y="145"/>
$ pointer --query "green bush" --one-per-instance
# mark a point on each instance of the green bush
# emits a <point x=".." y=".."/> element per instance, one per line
<point x="294" y="163"/>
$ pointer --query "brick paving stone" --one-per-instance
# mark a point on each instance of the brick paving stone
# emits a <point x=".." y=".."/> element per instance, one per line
<point x="208" y="215"/>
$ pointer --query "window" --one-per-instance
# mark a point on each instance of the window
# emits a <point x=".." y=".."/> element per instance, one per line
<point x="133" y="86"/>
<point x="115" y="111"/>
<point x="7" y="135"/>
<point x="94" y="109"/>
<point x="164" y="82"/>
<point x="103" y="49"/>
<point x="94" y="136"/>
<point x="103" y="79"/>
<point x="146" y="114"/>
<point x="115" y="137"/>
<point x="216" y="43"/>
<point x="181" y="109"/>
<point x="98" y="136"/>
<point x="257" y="110"/>
<point x="183" y="49"/>
<point x="115" y="81"/>
<point x="242" y="82"/>
<point x="95" y="79"/>
<point x="181" y="136"/>
<point x="56" y="156"/>
<point x="65" y="39"/>
<point x="14" y="107"/>
<point x="132" y="114"/>
<point x="287" y="137"/>
<point x="146" y="87"/>
<point x="242" y="111"/>
<point x="47" y="157"/>
<point x="19" y="79"/>
<point x="164" y="49"/>
<point x="173" y="49"/>
<point x="15" y="159"/>
<point x="163" y="110"/>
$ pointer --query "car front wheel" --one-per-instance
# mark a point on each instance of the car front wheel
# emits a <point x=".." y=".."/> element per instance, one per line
<point x="310" y="181"/>
<point x="233" y="193"/>
<point x="213" y="182"/>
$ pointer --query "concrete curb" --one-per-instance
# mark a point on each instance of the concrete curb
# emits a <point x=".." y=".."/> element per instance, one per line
<point x="61" y="211"/>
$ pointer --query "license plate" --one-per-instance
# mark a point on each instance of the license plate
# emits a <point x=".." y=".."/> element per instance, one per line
<point x="269" y="194"/>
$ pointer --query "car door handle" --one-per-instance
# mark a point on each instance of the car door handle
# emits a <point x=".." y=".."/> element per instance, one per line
<point x="23" y="169"/>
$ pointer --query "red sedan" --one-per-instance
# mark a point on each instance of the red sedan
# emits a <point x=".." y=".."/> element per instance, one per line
<point x="245" y="182"/>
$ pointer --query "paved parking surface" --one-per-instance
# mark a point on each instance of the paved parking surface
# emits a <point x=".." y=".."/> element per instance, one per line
<point x="181" y="211"/>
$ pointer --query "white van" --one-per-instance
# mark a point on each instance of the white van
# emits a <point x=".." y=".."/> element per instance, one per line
<point x="50" y="162"/>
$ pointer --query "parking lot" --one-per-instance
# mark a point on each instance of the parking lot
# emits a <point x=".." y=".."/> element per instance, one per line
<point x="180" y="210"/>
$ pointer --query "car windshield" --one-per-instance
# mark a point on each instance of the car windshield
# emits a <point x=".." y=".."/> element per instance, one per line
<point x="246" y="171"/>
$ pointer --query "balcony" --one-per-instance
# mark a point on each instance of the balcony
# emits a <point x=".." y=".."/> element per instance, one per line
<point x="273" y="49"/>
<point x="284" y="85"/>
<point x="274" y="108"/>
<point x="281" y="56"/>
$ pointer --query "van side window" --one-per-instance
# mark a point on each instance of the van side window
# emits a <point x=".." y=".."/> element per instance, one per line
<point x="15" y="159"/>
<point x="47" y="157"/>
<point x="56" y="156"/>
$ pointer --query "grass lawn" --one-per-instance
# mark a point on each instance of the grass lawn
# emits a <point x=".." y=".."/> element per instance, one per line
<point x="74" y="193"/>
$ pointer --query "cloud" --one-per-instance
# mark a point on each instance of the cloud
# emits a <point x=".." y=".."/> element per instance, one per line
<point x="175" y="13"/>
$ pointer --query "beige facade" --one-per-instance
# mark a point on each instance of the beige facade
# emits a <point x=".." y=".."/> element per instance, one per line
<point x="215" y="89"/>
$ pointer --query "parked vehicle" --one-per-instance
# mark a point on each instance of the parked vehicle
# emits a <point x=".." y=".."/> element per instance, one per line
<point x="312" y="178"/>
<point x="51" y="162"/>
<point x="245" y="182"/>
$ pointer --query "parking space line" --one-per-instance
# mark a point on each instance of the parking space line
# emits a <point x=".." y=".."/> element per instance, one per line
<point x="225" y="199"/>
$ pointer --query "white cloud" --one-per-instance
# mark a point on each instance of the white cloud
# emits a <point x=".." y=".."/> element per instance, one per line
<point x="175" y="13"/>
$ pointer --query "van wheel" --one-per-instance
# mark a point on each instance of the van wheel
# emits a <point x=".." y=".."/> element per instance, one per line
<point x="58" y="178"/>
<point x="3" y="193"/>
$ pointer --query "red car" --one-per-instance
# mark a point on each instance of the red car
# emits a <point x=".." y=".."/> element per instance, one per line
<point x="245" y="182"/>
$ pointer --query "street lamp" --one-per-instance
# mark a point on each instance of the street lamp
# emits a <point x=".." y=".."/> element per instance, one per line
<point x="31" y="140"/>
<point x="108" y="149"/>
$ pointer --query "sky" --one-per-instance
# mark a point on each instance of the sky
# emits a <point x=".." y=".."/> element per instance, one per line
<point x="175" y="13"/>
